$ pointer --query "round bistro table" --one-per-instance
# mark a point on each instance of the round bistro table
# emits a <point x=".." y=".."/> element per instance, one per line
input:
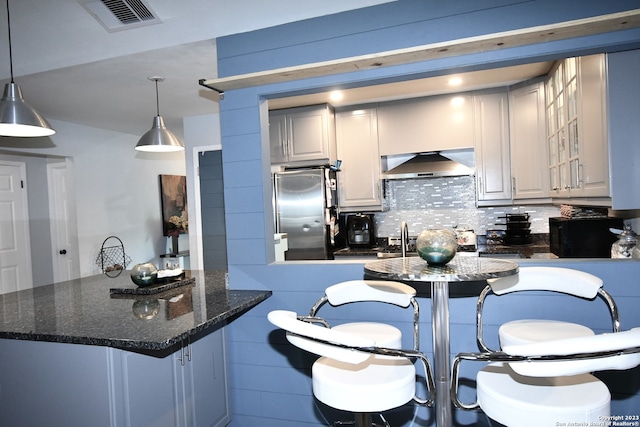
<point x="458" y="271"/>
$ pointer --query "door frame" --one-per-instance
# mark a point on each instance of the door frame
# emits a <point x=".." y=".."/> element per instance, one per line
<point x="56" y="198"/>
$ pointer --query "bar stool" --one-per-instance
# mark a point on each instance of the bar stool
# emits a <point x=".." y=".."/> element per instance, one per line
<point x="383" y="291"/>
<point x="553" y="279"/>
<point x="349" y="375"/>
<point x="546" y="383"/>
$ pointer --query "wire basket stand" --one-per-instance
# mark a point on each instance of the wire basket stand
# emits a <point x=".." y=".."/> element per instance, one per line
<point x="112" y="259"/>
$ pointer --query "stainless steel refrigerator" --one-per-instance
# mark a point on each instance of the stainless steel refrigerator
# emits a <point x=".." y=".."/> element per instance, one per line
<point x="305" y="209"/>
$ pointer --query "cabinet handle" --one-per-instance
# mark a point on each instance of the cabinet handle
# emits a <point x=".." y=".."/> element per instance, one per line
<point x="288" y="130"/>
<point x="182" y="352"/>
<point x="513" y="183"/>
<point x="578" y="180"/>
<point x="181" y="358"/>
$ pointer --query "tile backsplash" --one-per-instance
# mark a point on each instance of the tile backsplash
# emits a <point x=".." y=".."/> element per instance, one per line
<point x="446" y="203"/>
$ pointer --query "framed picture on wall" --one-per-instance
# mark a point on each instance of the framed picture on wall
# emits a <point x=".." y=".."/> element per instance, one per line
<point x="173" y="196"/>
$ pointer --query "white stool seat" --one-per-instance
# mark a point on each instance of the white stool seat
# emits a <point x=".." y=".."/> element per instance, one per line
<point x="527" y="331"/>
<point x="376" y="385"/>
<point x="384" y="335"/>
<point x="520" y="401"/>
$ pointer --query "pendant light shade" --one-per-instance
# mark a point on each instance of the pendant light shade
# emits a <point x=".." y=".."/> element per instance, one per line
<point x="17" y="118"/>
<point x="159" y="139"/>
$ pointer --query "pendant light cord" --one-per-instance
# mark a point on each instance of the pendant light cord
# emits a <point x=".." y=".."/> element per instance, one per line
<point x="157" y="98"/>
<point x="9" y="32"/>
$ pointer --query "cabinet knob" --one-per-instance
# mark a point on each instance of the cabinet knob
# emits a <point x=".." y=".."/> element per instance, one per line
<point x="63" y="252"/>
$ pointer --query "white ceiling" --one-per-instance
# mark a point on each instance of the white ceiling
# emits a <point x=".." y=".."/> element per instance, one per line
<point x="422" y="87"/>
<point x="72" y="69"/>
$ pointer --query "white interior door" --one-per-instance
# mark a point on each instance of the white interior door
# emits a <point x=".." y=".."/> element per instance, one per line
<point x="15" y="247"/>
<point x="64" y="236"/>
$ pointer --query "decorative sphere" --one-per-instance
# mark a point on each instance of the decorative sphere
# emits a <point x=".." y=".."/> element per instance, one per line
<point x="144" y="274"/>
<point x="437" y="247"/>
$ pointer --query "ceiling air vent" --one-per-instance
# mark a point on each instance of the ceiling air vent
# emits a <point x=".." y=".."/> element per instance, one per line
<point x="116" y="15"/>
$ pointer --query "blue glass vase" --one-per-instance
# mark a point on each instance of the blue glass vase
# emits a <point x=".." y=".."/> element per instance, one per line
<point x="437" y="247"/>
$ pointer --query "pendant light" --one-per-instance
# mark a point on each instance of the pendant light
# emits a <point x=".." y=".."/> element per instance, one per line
<point x="159" y="138"/>
<point x="17" y="118"/>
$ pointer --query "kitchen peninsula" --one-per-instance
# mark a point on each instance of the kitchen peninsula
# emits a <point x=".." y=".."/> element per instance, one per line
<point x="75" y="355"/>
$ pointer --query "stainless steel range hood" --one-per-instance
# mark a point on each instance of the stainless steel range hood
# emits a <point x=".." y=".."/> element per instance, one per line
<point x="432" y="165"/>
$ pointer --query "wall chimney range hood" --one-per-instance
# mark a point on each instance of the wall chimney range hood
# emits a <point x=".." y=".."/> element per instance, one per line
<point x="431" y="165"/>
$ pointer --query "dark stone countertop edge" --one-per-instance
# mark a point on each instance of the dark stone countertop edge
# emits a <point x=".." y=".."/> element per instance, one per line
<point x="134" y="345"/>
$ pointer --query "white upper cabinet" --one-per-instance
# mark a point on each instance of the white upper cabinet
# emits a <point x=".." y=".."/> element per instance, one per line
<point x="527" y="143"/>
<point x="577" y="130"/>
<point x="623" y="88"/>
<point x="493" y="166"/>
<point x="593" y="167"/>
<point x="359" y="185"/>
<point x="302" y="135"/>
<point x="426" y="124"/>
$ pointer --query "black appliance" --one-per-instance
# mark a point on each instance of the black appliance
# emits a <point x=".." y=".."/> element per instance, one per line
<point x="360" y="231"/>
<point x="583" y="237"/>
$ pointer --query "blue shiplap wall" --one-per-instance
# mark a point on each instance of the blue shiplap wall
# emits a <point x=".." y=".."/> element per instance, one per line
<point x="270" y="383"/>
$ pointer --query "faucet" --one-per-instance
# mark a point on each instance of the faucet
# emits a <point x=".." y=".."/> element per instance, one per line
<point x="404" y="238"/>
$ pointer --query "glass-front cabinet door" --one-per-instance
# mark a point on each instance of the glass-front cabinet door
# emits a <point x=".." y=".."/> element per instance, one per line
<point x="575" y="102"/>
<point x="552" y="130"/>
<point x="562" y="127"/>
<point x="573" y="143"/>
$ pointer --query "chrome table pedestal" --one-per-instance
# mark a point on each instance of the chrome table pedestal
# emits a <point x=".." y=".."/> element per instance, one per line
<point x="455" y="273"/>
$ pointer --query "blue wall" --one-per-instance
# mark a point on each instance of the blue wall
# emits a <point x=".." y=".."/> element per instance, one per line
<point x="270" y="382"/>
<point x="214" y="241"/>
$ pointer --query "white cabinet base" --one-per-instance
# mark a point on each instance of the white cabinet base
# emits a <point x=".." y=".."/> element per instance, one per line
<point x="73" y="385"/>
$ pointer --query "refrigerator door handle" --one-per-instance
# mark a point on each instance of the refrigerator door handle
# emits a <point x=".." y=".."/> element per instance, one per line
<point x="276" y="210"/>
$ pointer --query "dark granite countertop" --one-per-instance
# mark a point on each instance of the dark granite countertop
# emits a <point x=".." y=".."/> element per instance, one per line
<point x="524" y="251"/>
<point x="539" y="245"/>
<point x="82" y="311"/>
<point x="356" y="252"/>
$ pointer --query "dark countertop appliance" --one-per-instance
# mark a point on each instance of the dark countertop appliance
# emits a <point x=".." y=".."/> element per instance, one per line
<point x="361" y="231"/>
<point x="582" y="237"/>
<point x="518" y="229"/>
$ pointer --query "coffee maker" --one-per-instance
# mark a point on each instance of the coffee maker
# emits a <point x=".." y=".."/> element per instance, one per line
<point x="360" y="231"/>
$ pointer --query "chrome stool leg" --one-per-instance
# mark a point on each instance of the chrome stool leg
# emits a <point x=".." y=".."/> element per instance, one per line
<point x="386" y="424"/>
<point x="363" y="419"/>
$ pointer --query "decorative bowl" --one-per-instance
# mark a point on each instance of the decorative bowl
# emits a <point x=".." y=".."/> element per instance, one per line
<point x="437" y="247"/>
<point x="144" y="274"/>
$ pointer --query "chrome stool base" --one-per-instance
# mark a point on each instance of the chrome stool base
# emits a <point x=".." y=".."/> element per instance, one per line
<point x="363" y="419"/>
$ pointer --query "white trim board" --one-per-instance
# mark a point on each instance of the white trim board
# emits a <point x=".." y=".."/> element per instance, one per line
<point x="489" y="42"/>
